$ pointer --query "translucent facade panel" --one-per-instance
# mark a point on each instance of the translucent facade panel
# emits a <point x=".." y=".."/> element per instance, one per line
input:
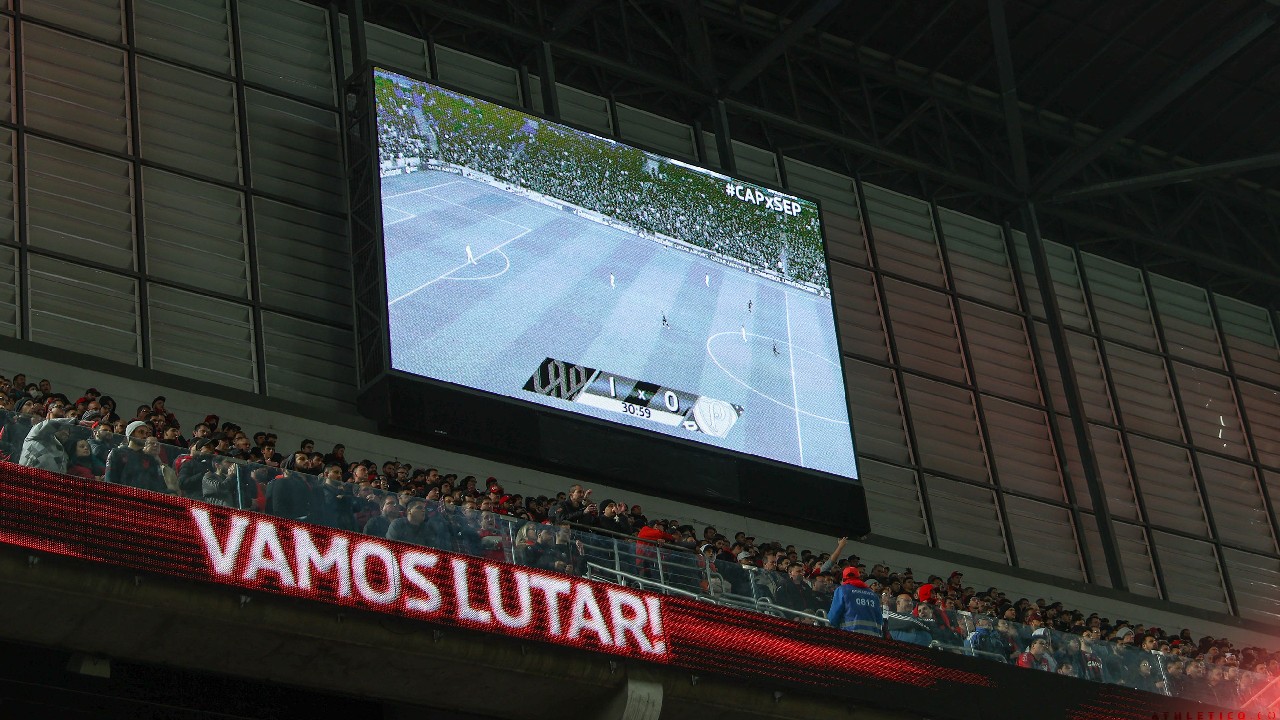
<point x="1113" y="473"/>
<point x="980" y="265"/>
<point x="925" y="330"/>
<point x="1256" y="580"/>
<point x="1235" y="497"/>
<point x="1187" y="320"/>
<point x="1262" y="405"/>
<point x="183" y="331"/>
<point x="187" y="120"/>
<point x="1135" y="557"/>
<point x="756" y="164"/>
<point x="1091" y="545"/>
<point x="1142" y="386"/>
<point x="296" y="151"/>
<point x="78" y="308"/>
<point x="583" y="108"/>
<point x="80" y="203"/>
<point x="1023" y="450"/>
<point x="1072" y="468"/>
<point x="195" y="32"/>
<point x="6" y="68"/>
<point x="835" y="191"/>
<point x="845" y="239"/>
<point x="10" y="301"/>
<point x="1210" y="407"/>
<point x="103" y="19"/>
<point x="75" y="88"/>
<point x="195" y="233"/>
<point x="656" y="132"/>
<point x="304" y="261"/>
<point x="1000" y="352"/>
<point x="1191" y="573"/>
<point x="1088" y="371"/>
<point x="893" y="499"/>
<point x="966" y="519"/>
<point x="393" y="49"/>
<point x="857" y="311"/>
<point x="8" y="187"/>
<point x="1167" y="480"/>
<point x="905" y="241"/>
<point x="284" y="45"/>
<point x="1120" y="301"/>
<point x="1251" y="340"/>
<point x="308" y="362"/>
<point x="1067" y="287"/>
<point x="876" y="407"/>
<point x="946" y="427"/>
<point x="482" y="77"/>
<point x="1044" y="538"/>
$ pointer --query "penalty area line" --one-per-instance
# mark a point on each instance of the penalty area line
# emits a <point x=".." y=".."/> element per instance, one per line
<point x="446" y="275"/>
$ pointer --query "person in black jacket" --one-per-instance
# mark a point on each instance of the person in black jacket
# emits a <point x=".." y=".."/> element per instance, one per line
<point x="290" y="496"/>
<point x="334" y="501"/>
<point x="412" y="528"/>
<point x="191" y="474"/>
<point x="130" y="465"/>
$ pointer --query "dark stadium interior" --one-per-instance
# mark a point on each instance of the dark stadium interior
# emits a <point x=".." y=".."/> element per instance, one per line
<point x="1146" y="127"/>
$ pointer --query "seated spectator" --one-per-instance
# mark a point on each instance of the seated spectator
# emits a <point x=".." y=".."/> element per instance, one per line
<point x="83" y="463"/>
<point x="380" y="523"/>
<point x="1036" y="656"/>
<point x="221" y="485"/>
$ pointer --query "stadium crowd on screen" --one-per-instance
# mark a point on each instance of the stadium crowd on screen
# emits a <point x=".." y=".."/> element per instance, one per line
<point x="218" y="462"/>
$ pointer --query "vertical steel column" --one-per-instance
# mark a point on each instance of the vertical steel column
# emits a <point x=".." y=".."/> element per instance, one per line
<point x="135" y="170"/>
<point x="1042" y="377"/>
<point x="1075" y="405"/>
<point x="940" y="238"/>
<point x="20" y="177"/>
<point x="547" y="77"/>
<point x="700" y="144"/>
<point x="1185" y="424"/>
<point x="724" y="141"/>
<point x="526" y="87"/>
<point x="250" y="229"/>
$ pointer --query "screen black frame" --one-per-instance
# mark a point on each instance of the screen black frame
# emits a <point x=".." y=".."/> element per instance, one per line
<point x="458" y="417"/>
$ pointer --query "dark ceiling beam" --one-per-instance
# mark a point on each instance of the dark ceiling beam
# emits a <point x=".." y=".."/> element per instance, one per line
<point x="869" y="151"/>
<point x="1191" y="174"/>
<point x="569" y="19"/>
<point x="789" y="36"/>
<point x="1009" y="94"/>
<point x="1068" y="165"/>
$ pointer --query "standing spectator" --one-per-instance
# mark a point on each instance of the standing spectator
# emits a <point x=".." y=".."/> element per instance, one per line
<point x="379" y="524"/>
<point x="336" y="509"/>
<point x="796" y="594"/>
<point x="855" y="608"/>
<point x="903" y="625"/>
<point x="412" y="528"/>
<point x="43" y="448"/>
<point x="192" y="471"/>
<point x="130" y="465"/>
<point x="289" y="495"/>
<point x="577" y="508"/>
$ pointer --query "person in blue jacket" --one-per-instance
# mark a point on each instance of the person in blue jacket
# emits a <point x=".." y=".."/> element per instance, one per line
<point x="855" y="607"/>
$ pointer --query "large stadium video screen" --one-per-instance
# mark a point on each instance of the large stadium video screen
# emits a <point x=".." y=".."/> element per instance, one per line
<point x="541" y="263"/>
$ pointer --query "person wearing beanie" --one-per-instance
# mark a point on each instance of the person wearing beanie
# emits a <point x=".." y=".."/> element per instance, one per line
<point x="130" y="465"/>
<point x="855" y="607"/>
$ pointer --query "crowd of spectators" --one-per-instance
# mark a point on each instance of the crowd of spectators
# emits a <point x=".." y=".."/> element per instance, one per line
<point x="635" y="188"/>
<point x="218" y="462"/>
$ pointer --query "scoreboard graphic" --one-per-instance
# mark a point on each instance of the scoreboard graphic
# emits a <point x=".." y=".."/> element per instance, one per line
<point x="637" y="398"/>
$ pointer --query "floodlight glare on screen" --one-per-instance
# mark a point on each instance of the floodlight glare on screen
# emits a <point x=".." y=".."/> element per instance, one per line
<point x="541" y="263"/>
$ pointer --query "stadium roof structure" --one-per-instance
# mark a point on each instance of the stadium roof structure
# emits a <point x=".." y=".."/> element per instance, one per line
<point x="1143" y="131"/>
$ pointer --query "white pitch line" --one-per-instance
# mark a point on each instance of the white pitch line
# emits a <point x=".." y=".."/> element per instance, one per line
<point x="464" y="207"/>
<point x="396" y="222"/>
<point x="791" y="355"/>
<point x="445" y="276"/>
<point x="420" y="190"/>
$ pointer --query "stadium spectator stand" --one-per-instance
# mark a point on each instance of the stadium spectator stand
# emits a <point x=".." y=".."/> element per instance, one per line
<point x="604" y="538"/>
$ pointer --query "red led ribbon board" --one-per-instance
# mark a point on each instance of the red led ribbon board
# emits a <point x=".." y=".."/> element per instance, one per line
<point x="146" y="531"/>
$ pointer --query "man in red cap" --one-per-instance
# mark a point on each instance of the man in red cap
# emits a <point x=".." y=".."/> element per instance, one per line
<point x="855" y="607"/>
